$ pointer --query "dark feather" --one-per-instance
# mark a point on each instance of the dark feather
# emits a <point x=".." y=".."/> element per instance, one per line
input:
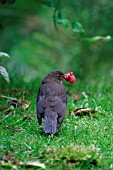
<point x="51" y="103"/>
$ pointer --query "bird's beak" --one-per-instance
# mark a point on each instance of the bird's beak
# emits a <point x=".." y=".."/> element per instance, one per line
<point x="62" y="77"/>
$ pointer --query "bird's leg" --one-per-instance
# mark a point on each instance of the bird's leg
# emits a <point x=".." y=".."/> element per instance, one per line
<point x="59" y="121"/>
<point x="39" y="117"/>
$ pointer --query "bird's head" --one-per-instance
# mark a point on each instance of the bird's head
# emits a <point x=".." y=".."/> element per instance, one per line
<point x="59" y="76"/>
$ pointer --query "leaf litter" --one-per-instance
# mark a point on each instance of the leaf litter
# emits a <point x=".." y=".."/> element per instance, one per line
<point x="70" y="156"/>
<point x="82" y="111"/>
<point x="8" y="160"/>
<point x="15" y="103"/>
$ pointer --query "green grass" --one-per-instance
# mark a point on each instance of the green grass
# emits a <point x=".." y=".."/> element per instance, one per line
<point x="83" y="142"/>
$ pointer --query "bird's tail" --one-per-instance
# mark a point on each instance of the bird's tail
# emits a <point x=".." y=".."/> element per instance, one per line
<point x="50" y="120"/>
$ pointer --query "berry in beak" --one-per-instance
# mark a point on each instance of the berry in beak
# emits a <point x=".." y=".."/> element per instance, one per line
<point x="69" y="77"/>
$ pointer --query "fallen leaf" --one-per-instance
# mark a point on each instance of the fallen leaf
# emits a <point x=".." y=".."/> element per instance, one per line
<point x="82" y="111"/>
<point x="34" y="163"/>
<point x="25" y="105"/>
<point x="8" y="165"/>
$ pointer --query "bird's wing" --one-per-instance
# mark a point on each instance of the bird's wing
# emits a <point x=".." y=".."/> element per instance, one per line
<point x="40" y="105"/>
<point x="58" y="103"/>
<point x="51" y="96"/>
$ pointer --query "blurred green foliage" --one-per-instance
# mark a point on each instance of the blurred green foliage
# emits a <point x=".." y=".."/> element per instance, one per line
<point x="28" y="34"/>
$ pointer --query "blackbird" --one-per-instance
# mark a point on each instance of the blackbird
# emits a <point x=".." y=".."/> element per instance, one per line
<point x="51" y="100"/>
